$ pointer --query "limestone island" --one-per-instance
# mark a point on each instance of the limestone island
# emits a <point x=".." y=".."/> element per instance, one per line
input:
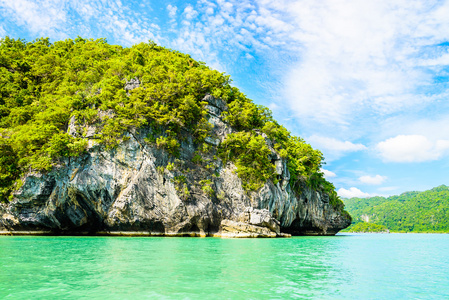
<point x="99" y="139"/>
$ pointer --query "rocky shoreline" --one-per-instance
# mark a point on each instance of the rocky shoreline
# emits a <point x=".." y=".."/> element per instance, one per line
<point x="144" y="234"/>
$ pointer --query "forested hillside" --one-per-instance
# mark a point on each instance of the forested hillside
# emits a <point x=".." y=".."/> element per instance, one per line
<point x="426" y="211"/>
<point x="43" y="85"/>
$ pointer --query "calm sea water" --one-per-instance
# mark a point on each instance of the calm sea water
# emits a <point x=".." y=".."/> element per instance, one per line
<point x="366" y="266"/>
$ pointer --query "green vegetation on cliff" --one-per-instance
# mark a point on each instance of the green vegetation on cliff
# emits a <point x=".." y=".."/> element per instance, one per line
<point x="43" y="85"/>
<point x="426" y="211"/>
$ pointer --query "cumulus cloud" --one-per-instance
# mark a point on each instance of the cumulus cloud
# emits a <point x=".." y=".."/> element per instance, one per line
<point x="352" y="192"/>
<point x="172" y="10"/>
<point x="374" y="180"/>
<point x="412" y="148"/>
<point x="429" y="127"/>
<point x="189" y="12"/>
<point x="328" y="174"/>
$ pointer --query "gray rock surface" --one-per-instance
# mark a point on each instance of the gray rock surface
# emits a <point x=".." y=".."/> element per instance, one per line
<point x="132" y="84"/>
<point x="132" y="190"/>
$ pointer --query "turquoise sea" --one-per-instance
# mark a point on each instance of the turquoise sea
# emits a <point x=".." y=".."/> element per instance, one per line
<point x="349" y="266"/>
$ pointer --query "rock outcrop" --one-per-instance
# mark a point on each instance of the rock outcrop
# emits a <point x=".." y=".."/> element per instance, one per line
<point x="139" y="189"/>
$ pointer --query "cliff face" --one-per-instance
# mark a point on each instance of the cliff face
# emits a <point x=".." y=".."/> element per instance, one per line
<point x="138" y="188"/>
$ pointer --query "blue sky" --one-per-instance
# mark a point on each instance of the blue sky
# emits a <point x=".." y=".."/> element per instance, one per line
<point x="366" y="82"/>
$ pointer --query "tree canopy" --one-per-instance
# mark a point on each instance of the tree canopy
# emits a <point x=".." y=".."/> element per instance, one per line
<point x="426" y="211"/>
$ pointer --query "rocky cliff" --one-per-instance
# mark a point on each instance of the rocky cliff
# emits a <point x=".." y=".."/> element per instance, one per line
<point x="140" y="189"/>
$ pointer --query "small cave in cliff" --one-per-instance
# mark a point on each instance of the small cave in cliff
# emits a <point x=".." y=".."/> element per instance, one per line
<point x="300" y="227"/>
<point x="80" y="215"/>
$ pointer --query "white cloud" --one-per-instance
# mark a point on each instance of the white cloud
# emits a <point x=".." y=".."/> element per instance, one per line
<point x="172" y="10"/>
<point x="412" y="148"/>
<point x="416" y="125"/>
<point x="230" y="28"/>
<point x="189" y="12"/>
<point x="334" y="144"/>
<point x="273" y="106"/>
<point x="61" y="19"/>
<point x="334" y="148"/>
<point x="374" y="180"/>
<point x="249" y="56"/>
<point x="442" y="59"/>
<point x="328" y="174"/>
<point x="352" y="192"/>
<point x="360" y="57"/>
<point x="41" y="17"/>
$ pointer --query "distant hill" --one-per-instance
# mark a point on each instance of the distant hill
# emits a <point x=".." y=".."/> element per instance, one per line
<point x="426" y="211"/>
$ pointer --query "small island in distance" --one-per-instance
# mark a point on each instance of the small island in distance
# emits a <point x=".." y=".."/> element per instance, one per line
<point x="414" y="212"/>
